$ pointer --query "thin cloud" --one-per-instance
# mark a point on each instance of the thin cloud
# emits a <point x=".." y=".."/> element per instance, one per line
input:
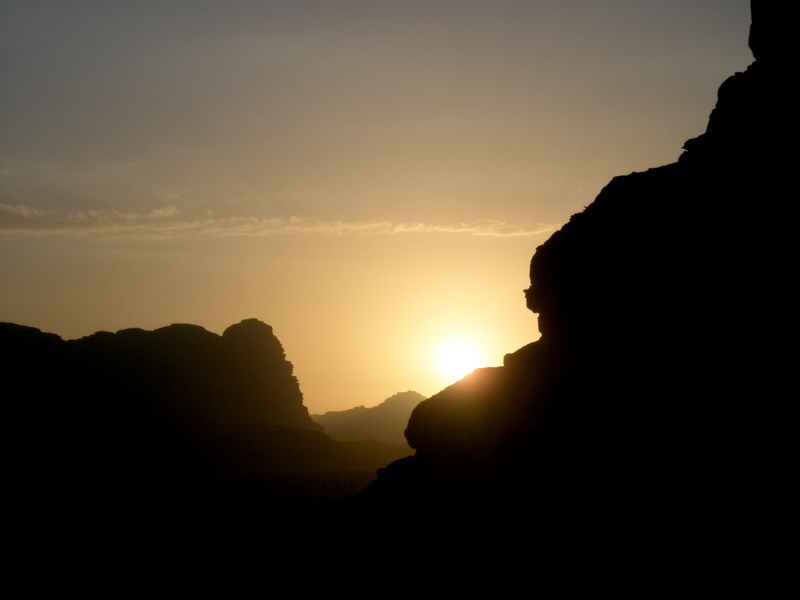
<point x="18" y="210"/>
<point x="166" y="222"/>
<point x="484" y="228"/>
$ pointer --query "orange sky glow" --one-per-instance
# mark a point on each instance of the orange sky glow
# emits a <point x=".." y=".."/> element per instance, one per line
<point x="369" y="178"/>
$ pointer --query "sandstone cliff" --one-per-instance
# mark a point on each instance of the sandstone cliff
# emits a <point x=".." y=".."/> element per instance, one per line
<point x="659" y="383"/>
<point x="178" y="416"/>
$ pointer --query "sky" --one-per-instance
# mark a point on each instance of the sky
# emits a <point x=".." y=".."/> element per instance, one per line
<point x="371" y="179"/>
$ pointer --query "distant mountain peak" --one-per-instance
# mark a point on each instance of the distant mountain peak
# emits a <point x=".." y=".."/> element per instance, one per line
<point x="385" y="422"/>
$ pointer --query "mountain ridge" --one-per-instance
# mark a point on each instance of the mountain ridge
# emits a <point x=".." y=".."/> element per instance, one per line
<point x="384" y="422"/>
<point x="177" y="413"/>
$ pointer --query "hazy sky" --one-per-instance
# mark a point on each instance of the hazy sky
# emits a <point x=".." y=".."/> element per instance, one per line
<point x="369" y="178"/>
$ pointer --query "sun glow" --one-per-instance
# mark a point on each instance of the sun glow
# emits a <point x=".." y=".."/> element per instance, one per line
<point x="459" y="356"/>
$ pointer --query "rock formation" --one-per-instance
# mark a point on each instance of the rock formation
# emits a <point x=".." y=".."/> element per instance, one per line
<point x="659" y="383"/>
<point x="175" y="416"/>
<point x="183" y="372"/>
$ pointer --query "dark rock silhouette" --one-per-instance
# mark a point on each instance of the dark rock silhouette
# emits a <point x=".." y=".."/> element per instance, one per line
<point x="175" y="416"/>
<point x="258" y="369"/>
<point x="183" y="372"/>
<point x="385" y="422"/>
<point x="658" y="387"/>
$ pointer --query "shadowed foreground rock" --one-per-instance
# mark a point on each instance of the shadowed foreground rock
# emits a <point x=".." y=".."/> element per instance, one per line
<point x="659" y="388"/>
<point x="150" y="422"/>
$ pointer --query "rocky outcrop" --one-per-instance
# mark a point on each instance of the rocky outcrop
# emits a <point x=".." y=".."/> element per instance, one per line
<point x="185" y="374"/>
<point x="385" y="422"/>
<point x="659" y="383"/>
<point x="176" y="419"/>
<point x="261" y="382"/>
<point x="173" y="421"/>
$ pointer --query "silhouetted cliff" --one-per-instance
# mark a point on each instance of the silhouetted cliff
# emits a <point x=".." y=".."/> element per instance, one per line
<point x="658" y="386"/>
<point x="385" y="422"/>
<point x="183" y="372"/>
<point x="171" y="416"/>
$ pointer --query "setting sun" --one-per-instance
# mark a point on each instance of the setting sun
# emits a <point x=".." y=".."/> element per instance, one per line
<point x="459" y="356"/>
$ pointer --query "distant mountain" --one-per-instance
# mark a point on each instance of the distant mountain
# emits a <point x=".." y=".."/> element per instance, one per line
<point x="178" y="414"/>
<point x="385" y="422"/>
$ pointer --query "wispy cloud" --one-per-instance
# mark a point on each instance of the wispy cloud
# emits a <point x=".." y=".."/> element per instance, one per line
<point x="116" y="217"/>
<point x="168" y="222"/>
<point x="487" y="228"/>
<point x="18" y="210"/>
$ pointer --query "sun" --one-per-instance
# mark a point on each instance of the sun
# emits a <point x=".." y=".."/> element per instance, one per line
<point x="459" y="356"/>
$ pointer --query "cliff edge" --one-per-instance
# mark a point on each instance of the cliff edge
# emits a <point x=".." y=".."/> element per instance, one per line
<point x="658" y="386"/>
